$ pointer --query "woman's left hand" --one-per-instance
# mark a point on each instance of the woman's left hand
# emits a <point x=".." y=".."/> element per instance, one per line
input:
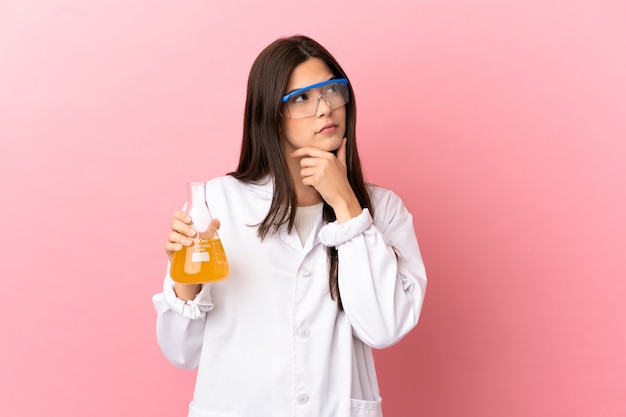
<point x="327" y="173"/>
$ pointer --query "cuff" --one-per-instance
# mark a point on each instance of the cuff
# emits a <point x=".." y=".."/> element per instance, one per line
<point x="334" y="234"/>
<point x="192" y="309"/>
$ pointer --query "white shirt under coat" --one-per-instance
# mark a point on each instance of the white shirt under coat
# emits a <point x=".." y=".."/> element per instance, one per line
<point x="269" y="341"/>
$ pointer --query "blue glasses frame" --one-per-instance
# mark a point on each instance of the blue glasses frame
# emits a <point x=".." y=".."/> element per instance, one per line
<point x="343" y="81"/>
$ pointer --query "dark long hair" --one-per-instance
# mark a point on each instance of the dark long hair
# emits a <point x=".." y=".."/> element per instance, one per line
<point x="261" y="148"/>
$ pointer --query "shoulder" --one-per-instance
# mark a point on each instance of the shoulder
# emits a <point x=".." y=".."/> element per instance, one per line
<point x="238" y="202"/>
<point x="386" y="203"/>
<point x="382" y="196"/>
<point x="223" y="181"/>
<point x="229" y="185"/>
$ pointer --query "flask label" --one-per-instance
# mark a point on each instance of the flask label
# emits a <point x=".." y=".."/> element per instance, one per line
<point x="201" y="250"/>
<point x="200" y="257"/>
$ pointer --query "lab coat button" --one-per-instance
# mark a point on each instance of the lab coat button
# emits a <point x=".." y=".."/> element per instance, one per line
<point x="305" y="273"/>
<point x="304" y="332"/>
<point x="302" y="399"/>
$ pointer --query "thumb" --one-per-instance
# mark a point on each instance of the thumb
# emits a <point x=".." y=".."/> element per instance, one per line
<point x="341" y="152"/>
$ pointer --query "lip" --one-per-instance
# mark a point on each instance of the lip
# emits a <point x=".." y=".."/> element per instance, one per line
<point x="328" y="128"/>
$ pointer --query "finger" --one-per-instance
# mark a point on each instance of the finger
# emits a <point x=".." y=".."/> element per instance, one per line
<point x="310" y="181"/>
<point x="172" y="247"/>
<point x="309" y="151"/>
<point x="175" y="237"/>
<point x="216" y="224"/>
<point x="183" y="228"/>
<point x="309" y="162"/>
<point x="341" y="152"/>
<point x="182" y="216"/>
<point x="307" y="172"/>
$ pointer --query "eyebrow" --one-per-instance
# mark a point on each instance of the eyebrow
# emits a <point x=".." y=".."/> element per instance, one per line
<point x="332" y="77"/>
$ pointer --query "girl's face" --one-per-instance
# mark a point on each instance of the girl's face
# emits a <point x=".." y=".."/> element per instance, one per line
<point x="326" y="128"/>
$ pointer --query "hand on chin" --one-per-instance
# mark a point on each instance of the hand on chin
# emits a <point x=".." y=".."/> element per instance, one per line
<point x="330" y="144"/>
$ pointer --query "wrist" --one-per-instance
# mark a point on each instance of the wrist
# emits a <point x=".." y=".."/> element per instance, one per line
<point x="347" y="210"/>
<point x="186" y="292"/>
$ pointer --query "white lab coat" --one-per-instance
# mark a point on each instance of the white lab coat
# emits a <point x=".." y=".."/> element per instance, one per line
<point x="269" y="341"/>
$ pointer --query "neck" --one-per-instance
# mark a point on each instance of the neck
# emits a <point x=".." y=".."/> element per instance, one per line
<point x="305" y="194"/>
<point x="308" y="196"/>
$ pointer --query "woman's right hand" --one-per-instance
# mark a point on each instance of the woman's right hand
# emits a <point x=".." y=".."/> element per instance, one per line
<point x="181" y="234"/>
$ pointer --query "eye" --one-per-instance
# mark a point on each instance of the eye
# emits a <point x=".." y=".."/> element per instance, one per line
<point x="330" y="88"/>
<point x="298" y="98"/>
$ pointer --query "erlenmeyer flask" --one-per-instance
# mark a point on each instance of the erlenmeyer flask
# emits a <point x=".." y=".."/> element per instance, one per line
<point x="205" y="260"/>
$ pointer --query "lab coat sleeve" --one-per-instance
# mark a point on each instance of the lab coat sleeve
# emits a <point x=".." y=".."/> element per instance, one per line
<point x="180" y="325"/>
<point x="382" y="280"/>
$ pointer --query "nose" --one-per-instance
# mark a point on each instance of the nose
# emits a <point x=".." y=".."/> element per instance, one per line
<point x="323" y="109"/>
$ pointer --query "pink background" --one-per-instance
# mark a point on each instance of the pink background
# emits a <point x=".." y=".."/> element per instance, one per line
<point x="500" y="123"/>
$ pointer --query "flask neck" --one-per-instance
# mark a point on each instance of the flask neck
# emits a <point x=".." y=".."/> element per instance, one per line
<point x="196" y="193"/>
<point x="197" y="206"/>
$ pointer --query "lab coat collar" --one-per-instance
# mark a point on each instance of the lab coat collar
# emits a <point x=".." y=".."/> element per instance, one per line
<point x="292" y="239"/>
<point x="264" y="189"/>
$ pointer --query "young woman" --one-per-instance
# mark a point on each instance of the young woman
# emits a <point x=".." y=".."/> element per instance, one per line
<point x="324" y="267"/>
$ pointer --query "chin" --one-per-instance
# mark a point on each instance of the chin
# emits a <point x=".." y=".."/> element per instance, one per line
<point x="332" y="144"/>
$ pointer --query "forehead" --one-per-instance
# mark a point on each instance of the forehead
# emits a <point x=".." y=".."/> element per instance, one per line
<point x="311" y="71"/>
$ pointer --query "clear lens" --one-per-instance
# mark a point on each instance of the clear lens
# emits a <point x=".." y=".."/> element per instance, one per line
<point x="306" y="101"/>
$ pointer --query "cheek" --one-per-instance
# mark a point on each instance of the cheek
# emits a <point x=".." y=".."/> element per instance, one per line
<point x="342" y="131"/>
<point x="341" y="115"/>
<point x="292" y="132"/>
